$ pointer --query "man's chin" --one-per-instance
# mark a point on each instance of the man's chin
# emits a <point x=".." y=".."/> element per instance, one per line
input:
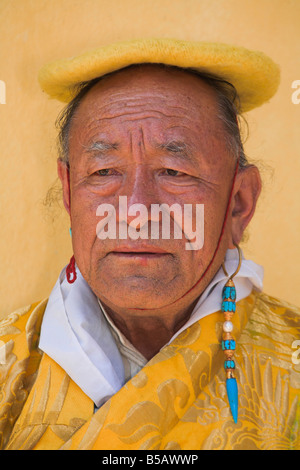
<point x="136" y="293"/>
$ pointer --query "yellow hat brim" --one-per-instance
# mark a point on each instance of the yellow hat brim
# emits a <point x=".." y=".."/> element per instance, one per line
<point x="254" y="75"/>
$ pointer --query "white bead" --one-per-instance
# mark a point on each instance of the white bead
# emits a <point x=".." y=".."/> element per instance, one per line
<point x="227" y="326"/>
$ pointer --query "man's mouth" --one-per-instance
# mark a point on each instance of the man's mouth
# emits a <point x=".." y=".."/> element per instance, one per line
<point x="141" y="254"/>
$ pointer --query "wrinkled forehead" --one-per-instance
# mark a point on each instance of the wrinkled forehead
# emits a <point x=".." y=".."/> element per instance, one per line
<point x="170" y="91"/>
<point x="147" y="109"/>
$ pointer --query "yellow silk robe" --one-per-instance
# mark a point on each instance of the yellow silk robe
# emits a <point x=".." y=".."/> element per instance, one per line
<point x="177" y="401"/>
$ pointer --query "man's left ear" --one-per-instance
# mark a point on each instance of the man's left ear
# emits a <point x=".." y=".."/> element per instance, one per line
<point x="246" y="193"/>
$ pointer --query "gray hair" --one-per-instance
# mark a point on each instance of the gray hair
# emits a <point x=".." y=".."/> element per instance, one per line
<point x="228" y="103"/>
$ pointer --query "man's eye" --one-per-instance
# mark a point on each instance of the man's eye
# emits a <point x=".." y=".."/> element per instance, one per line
<point x="104" y="172"/>
<point x="171" y="172"/>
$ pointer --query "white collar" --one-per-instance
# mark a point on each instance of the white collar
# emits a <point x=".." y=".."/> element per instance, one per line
<point x="75" y="333"/>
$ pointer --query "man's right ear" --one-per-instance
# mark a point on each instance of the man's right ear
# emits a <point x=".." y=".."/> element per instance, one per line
<point x="64" y="176"/>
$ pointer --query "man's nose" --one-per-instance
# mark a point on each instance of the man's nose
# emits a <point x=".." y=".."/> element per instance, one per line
<point x="140" y="191"/>
<point x="140" y="188"/>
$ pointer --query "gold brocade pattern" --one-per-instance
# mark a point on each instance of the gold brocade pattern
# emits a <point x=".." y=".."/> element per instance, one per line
<point x="177" y="401"/>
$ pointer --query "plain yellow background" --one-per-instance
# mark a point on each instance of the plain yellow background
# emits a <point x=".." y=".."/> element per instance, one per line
<point x="34" y="238"/>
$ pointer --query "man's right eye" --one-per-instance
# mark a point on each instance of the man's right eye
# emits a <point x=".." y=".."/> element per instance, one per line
<point x="171" y="172"/>
<point x="104" y="172"/>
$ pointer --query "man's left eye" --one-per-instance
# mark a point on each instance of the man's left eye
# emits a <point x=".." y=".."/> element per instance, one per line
<point x="171" y="172"/>
<point x="103" y="172"/>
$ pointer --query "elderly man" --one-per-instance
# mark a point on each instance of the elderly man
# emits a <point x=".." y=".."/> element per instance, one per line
<point x="150" y="341"/>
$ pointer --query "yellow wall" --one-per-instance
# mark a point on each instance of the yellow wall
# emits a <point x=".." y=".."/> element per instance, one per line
<point x="35" y="243"/>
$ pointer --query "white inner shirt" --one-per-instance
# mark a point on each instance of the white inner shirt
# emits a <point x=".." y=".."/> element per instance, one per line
<point x="133" y="360"/>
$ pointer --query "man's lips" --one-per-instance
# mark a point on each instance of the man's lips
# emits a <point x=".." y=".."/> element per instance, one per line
<point x="141" y="254"/>
<point x="144" y="249"/>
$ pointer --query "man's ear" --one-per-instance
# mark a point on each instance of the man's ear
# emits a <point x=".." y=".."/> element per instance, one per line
<point x="63" y="174"/>
<point x="246" y="193"/>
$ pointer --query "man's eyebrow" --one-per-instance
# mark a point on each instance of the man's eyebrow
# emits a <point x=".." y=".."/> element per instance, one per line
<point x="101" y="146"/>
<point x="178" y="148"/>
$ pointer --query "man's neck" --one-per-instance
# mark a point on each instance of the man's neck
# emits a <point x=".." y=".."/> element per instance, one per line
<point x="148" y="331"/>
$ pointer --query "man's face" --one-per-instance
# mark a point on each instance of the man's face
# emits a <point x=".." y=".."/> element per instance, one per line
<point x="151" y="135"/>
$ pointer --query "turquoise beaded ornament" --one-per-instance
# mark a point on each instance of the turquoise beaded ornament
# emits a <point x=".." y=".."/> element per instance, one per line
<point x="228" y="342"/>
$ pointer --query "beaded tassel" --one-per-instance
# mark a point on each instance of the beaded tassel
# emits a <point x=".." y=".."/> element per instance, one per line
<point x="228" y="346"/>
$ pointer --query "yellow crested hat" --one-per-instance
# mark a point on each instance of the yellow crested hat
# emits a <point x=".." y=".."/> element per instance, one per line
<point x="254" y="75"/>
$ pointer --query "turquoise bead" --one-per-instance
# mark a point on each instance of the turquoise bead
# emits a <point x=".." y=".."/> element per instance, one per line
<point x="228" y="306"/>
<point x="229" y="293"/>
<point x="228" y="344"/>
<point x="229" y="364"/>
<point x="232" y="393"/>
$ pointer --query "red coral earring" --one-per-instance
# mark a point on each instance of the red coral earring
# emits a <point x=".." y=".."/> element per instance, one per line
<point x="71" y="271"/>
